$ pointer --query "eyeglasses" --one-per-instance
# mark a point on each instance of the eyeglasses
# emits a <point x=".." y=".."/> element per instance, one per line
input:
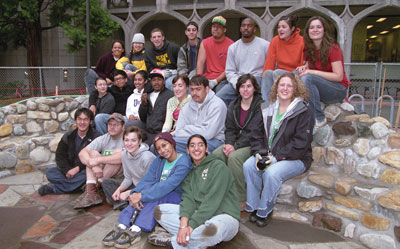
<point x="198" y="145"/>
<point x="114" y="124"/>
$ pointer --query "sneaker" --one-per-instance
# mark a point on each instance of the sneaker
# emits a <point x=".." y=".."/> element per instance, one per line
<point x="113" y="235"/>
<point x="127" y="238"/>
<point x="160" y="237"/>
<point x="88" y="200"/>
<point x="46" y="189"/>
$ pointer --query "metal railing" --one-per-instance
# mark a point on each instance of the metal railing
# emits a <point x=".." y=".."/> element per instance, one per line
<point x="18" y="83"/>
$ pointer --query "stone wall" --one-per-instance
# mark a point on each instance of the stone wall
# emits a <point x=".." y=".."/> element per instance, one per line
<point x="30" y="132"/>
<point x="352" y="187"/>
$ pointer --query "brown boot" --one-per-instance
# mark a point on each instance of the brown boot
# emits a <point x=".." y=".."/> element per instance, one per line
<point x="90" y="198"/>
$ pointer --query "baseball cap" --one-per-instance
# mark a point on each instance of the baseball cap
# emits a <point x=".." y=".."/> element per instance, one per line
<point x="117" y="117"/>
<point x="156" y="72"/>
<point x="219" y="19"/>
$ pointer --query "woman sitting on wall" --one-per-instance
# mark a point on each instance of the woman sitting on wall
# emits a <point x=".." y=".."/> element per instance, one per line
<point x="280" y="145"/>
<point x="323" y="72"/>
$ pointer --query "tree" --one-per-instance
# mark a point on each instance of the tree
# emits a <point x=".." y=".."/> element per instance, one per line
<point x="22" y="23"/>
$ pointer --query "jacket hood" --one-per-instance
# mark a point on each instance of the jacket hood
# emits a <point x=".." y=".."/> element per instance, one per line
<point x="143" y="147"/>
<point x="196" y="106"/>
<point x="295" y="36"/>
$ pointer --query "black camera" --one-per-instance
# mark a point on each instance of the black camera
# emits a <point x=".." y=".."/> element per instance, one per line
<point x="263" y="163"/>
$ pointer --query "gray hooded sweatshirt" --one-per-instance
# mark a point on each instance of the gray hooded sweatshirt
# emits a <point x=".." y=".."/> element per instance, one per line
<point x="136" y="166"/>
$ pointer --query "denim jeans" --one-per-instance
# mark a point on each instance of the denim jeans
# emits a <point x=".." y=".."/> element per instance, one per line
<point x="61" y="184"/>
<point x="235" y="164"/>
<point x="272" y="179"/>
<point x="101" y="120"/>
<point x="145" y="218"/>
<point x="90" y="78"/>
<point x="226" y="92"/>
<point x="181" y="144"/>
<point x="268" y="79"/>
<point x="168" y="82"/>
<point x="109" y="185"/>
<point x="224" y="227"/>
<point x="137" y="123"/>
<point x="320" y="89"/>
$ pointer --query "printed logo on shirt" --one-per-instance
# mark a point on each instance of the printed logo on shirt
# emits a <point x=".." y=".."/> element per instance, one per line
<point x="163" y="60"/>
<point x="136" y="102"/>
<point x="204" y="174"/>
<point x="107" y="152"/>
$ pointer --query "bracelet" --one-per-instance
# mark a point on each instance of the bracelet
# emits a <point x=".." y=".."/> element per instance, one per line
<point x="183" y="227"/>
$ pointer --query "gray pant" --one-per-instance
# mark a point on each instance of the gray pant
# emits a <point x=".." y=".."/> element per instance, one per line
<point x="109" y="186"/>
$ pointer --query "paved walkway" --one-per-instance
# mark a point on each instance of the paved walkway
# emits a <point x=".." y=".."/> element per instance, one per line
<point x="32" y="221"/>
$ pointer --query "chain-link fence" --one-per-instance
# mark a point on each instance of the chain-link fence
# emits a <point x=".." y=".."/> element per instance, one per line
<point x="17" y="83"/>
<point x="368" y="80"/>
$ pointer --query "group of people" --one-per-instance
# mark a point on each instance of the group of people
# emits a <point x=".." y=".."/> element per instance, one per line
<point x="213" y="129"/>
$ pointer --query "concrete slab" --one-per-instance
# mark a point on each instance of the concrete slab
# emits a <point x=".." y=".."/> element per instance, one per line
<point x="24" y="179"/>
<point x="92" y="237"/>
<point x="334" y="245"/>
<point x="24" y="189"/>
<point x="9" y="198"/>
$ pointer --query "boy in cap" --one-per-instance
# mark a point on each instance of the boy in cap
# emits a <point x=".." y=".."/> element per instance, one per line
<point x="213" y="53"/>
<point x="98" y="163"/>
<point x="163" y="54"/>
<point x="161" y="184"/>
<point x="135" y="61"/>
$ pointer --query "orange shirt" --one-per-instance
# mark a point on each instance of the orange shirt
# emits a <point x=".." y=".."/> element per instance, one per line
<point x="286" y="55"/>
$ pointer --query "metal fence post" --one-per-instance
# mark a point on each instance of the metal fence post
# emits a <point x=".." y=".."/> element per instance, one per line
<point x="40" y="81"/>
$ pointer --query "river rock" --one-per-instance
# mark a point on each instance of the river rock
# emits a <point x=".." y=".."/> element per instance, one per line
<point x="333" y="156"/>
<point x="40" y="155"/>
<point x="377" y="241"/>
<point x="5" y="130"/>
<point x="379" y="130"/>
<point x="361" y="146"/>
<point x="33" y="126"/>
<point x="391" y="158"/>
<point x="307" y="191"/>
<point x="51" y="126"/>
<point x="345" y="185"/>
<point x="368" y="169"/>
<point x="22" y="151"/>
<point x="7" y="160"/>
<point x="390" y="200"/>
<point x="323" y="135"/>
<point x="394" y="140"/>
<point x="369" y="194"/>
<point x="310" y="206"/>
<point x="332" y="112"/>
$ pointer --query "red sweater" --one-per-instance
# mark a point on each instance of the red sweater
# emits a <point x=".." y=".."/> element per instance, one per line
<point x="286" y="55"/>
<point x="106" y="65"/>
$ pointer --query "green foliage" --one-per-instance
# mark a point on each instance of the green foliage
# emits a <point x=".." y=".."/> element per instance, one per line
<point x="8" y="88"/>
<point x="17" y="18"/>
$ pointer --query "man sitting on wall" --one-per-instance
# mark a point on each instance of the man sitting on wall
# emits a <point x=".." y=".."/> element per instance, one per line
<point x="99" y="164"/>
<point x="70" y="173"/>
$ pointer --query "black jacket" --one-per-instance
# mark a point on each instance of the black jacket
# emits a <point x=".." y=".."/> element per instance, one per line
<point x="155" y="117"/>
<point x="66" y="157"/>
<point x="164" y="58"/>
<point x="236" y="135"/>
<point x="293" y="138"/>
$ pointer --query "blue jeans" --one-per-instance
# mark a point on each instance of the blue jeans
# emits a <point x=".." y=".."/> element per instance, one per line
<point x="101" y="120"/>
<point x="168" y="82"/>
<point x="90" y="78"/>
<point x="268" y="79"/>
<point x="145" y="218"/>
<point x="323" y="90"/>
<point x="61" y="184"/>
<point x="223" y="226"/>
<point x="181" y="144"/>
<point x="272" y="179"/>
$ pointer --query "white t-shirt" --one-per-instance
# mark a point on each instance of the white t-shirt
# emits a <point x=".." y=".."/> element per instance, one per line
<point x="106" y="145"/>
<point x="153" y="97"/>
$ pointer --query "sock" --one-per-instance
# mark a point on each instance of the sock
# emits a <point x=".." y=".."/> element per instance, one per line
<point x="91" y="181"/>
<point x="135" y="228"/>
<point x="122" y="226"/>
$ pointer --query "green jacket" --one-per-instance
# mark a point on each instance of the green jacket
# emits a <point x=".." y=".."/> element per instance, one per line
<point x="209" y="190"/>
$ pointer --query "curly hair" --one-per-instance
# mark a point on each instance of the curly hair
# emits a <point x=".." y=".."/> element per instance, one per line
<point x="327" y="42"/>
<point x="299" y="90"/>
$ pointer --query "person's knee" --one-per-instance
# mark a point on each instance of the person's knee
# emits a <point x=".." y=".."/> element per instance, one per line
<point x="157" y="213"/>
<point x="210" y="230"/>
